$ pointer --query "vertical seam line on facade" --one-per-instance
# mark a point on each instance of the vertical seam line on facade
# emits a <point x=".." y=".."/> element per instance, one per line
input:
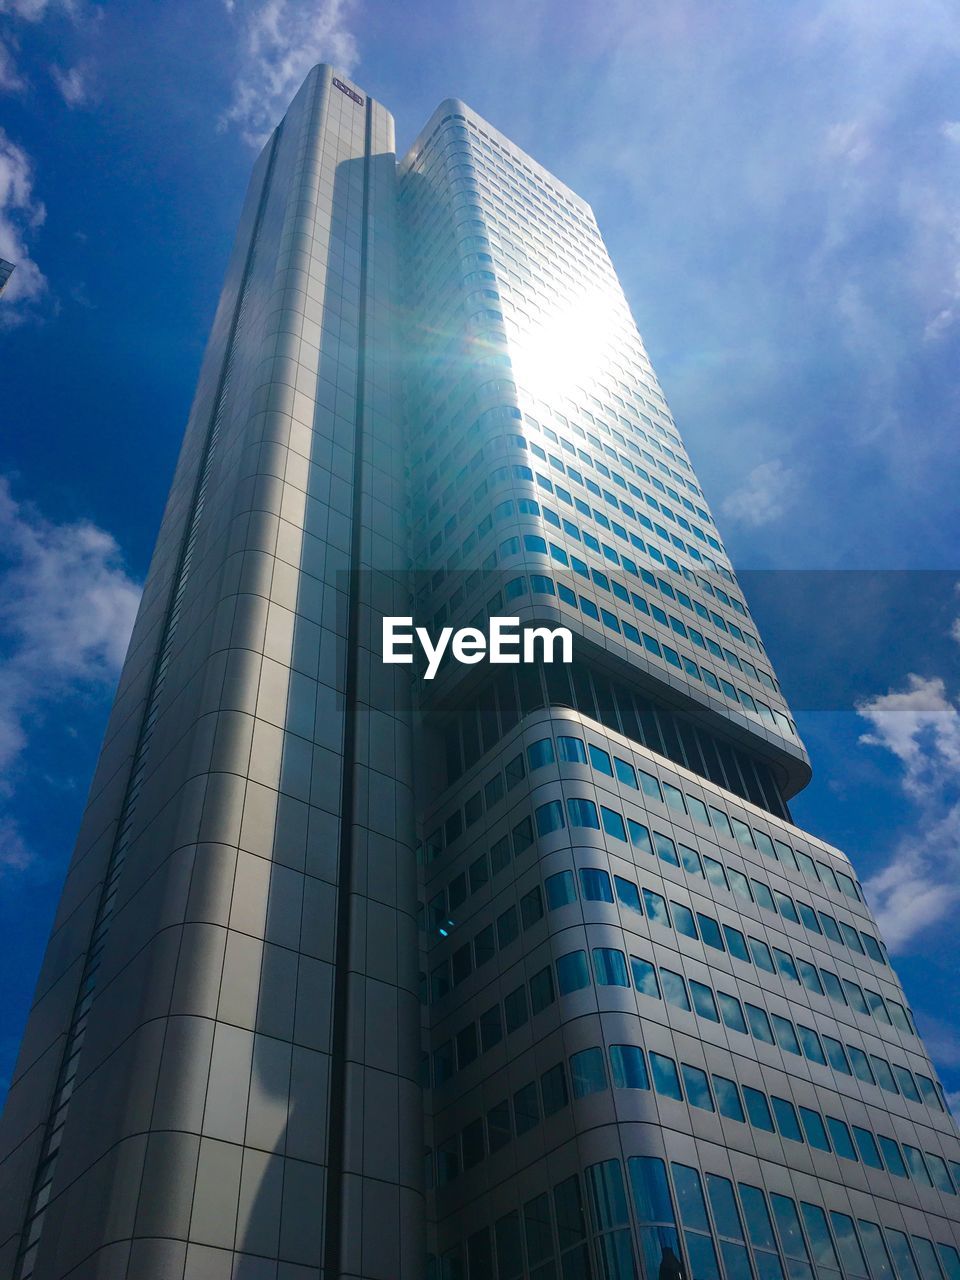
<point x="333" y="1225"/>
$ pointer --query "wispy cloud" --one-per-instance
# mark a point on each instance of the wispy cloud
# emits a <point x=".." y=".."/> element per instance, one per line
<point x="74" y="84"/>
<point x="20" y="214"/>
<point x="11" y="81"/>
<point x="764" y="496"/>
<point x="281" y="41"/>
<point x="67" y="606"/>
<point x="920" y="885"/>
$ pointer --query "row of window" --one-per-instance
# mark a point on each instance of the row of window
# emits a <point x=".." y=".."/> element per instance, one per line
<point x="585" y="814"/>
<point x="630" y="1067"/>
<point x="514" y="692"/>
<point x="535" y="544"/>
<point x="453" y="465"/>
<point x="608" y="966"/>
<point x="687" y="1223"/>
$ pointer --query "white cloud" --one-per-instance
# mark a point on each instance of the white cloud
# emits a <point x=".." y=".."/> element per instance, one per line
<point x="764" y="496"/>
<point x="920" y="885"/>
<point x="282" y="40"/>
<point x="67" y="606"/>
<point x="74" y="84"/>
<point x="36" y="10"/>
<point x="951" y="130"/>
<point x="11" y="81"/>
<point x="20" y="212"/>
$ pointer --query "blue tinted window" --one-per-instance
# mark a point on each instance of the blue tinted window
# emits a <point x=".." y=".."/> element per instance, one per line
<point x="628" y="893"/>
<point x="628" y="1067"/>
<point x="666" y="1081"/>
<point x="758" y="1109"/>
<point x="610" y="967"/>
<point x="645" y="977"/>
<point x="572" y="972"/>
<point x="588" y="1072"/>
<point x="787" y="1121"/>
<point x="728" y="1098"/>
<point x="560" y="889"/>
<point x="572" y="750"/>
<point x="595" y="885"/>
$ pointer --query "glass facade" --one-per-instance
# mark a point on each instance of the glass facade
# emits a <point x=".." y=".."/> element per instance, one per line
<point x="518" y="972"/>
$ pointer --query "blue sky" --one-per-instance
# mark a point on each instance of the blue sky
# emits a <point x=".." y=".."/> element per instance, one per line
<point x="779" y="187"/>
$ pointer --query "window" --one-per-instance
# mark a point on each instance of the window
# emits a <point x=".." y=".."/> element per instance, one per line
<point x="683" y="920"/>
<point x="549" y="818"/>
<point x="837" y="1055"/>
<point x="540" y="754"/>
<point x="628" y="1068"/>
<point x="625" y="772"/>
<point x="854" y="994"/>
<point x="541" y="990"/>
<point x="508" y="927"/>
<point x="666" y="1081"/>
<point x="816" y="1134"/>
<point x="759" y="1023"/>
<point x="787" y="1121"/>
<point x="737" y="943"/>
<point x="786" y="966"/>
<point x="610" y="967"/>
<point x="786" y="907"/>
<point x="613" y="823"/>
<point x="842" y="1142"/>
<point x="726" y="1215"/>
<point x="703" y="1001"/>
<point x="731" y="1012"/>
<point x="595" y="885"/>
<point x="583" y="813"/>
<point x="786" y="1034"/>
<point x="600" y="760"/>
<point x="918" y="1167"/>
<point x="515" y="1009"/>
<point x="761" y="955"/>
<point x="690" y="860"/>
<point x="628" y="894"/>
<point x="832" y="984"/>
<point x="791" y="1235"/>
<point x="892" y="1157"/>
<point x="867" y="1146"/>
<point x="572" y="972"/>
<point x="811" y="1045"/>
<point x="491" y="1028"/>
<point x="561" y="890"/>
<point x="906" y="1082"/>
<point x="697" y="1087"/>
<point x="728" y="1098"/>
<point x="526" y="1108"/>
<point x="644" y="977"/>
<point x="861" y="1067"/>
<point x="881" y="1069"/>
<point x="571" y="750"/>
<point x="640" y="836"/>
<point x="710" y="931"/>
<point x="588" y="1072"/>
<point x="824" y="1254"/>
<point x="876" y="1250"/>
<point x="758" y="1109"/>
<point x="715" y="872"/>
<point x="674" y="989"/>
<point x="666" y="849"/>
<point x="810" y="977"/>
<point x="656" y="908"/>
<point x="763" y="895"/>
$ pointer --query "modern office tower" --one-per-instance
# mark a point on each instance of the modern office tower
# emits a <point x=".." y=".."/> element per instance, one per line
<point x="654" y="1034"/>
<point x="6" y="271"/>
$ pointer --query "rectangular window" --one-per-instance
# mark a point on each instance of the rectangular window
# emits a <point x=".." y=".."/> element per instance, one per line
<point x="610" y="967"/>
<point x="628" y="1067"/>
<point x="666" y="1080"/>
<point x="787" y="1121"/>
<point x="674" y="989"/>
<point x="728" y="1098"/>
<point x="697" y="1087"/>
<point x="816" y="1134"/>
<point x="731" y="1012"/>
<point x="588" y="1072"/>
<point x="758" y="1109"/>
<point x="644" y="977"/>
<point x="595" y="885"/>
<point x="561" y="890"/>
<point x="572" y="972"/>
<point x="842" y="1141"/>
<point x="628" y="894"/>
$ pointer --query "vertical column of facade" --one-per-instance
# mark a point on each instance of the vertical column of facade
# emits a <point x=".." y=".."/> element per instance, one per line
<point x="197" y="1140"/>
<point x="374" y="1199"/>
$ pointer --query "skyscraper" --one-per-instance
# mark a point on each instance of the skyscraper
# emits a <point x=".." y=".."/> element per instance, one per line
<point x="646" y="1026"/>
<point x="6" y="271"/>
